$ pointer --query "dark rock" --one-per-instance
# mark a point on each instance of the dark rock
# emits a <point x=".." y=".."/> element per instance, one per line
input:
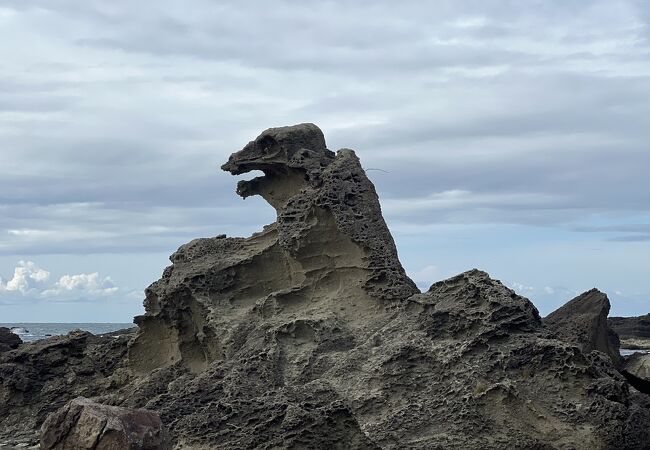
<point x="631" y="327"/>
<point x="40" y="377"/>
<point x="8" y="340"/>
<point x="583" y="322"/>
<point x="634" y="331"/>
<point x="637" y="365"/>
<point x="85" y="425"/>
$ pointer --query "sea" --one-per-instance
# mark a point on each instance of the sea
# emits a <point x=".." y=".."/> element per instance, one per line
<point x="29" y="332"/>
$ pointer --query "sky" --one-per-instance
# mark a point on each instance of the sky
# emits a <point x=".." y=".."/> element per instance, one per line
<point x="507" y="136"/>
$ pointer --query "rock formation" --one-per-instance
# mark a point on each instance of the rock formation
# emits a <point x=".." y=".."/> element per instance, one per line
<point x="583" y="322"/>
<point x="633" y="331"/>
<point x="42" y="376"/>
<point x="8" y="340"/>
<point x="309" y="334"/>
<point x="636" y="368"/>
<point x="631" y="327"/>
<point x="85" y="425"/>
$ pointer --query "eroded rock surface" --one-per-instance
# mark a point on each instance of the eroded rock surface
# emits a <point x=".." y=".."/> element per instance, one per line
<point x="309" y="334"/>
<point x="8" y="340"/>
<point x="583" y="322"/>
<point x="86" y="425"/>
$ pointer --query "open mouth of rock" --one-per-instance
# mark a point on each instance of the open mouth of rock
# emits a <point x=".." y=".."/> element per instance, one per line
<point x="278" y="184"/>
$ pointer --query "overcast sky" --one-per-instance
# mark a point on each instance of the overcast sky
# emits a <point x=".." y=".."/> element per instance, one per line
<point x="509" y="136"/>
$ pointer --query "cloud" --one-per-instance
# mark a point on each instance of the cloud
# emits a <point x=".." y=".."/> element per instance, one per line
<point x="116" y="116"/>
<point x="82" y="284"/>
<point x="522" y="288"/>
<point x="27" y="278"/>
<point x="30" y="282"/>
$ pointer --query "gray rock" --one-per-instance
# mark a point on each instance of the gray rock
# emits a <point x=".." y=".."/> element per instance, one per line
<point x="85" y="425"/>
<point x="636" y="368"/>
<point x="583" y="322"/>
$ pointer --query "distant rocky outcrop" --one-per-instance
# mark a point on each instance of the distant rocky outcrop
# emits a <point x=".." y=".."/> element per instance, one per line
<point x="583" y="322"/>
<point x="309" y="334"/>
<point x="85" y="425"/>
<point x="8" y="340"/>
<point x="633" y="331"/>
<point x="631" y="327"/>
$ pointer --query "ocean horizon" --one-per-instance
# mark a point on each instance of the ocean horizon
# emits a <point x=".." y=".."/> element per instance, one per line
<point x="33" y="331"/>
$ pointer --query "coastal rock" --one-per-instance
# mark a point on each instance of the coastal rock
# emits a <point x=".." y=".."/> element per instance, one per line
<point x="583" y="322"/>
<point x="633" y="331"/>
<point x="40" y="377"/>
<point x="329" y="249"/>
<point x="85" y="425"/>
<point x="8" y="340"/>
<point x="631" y="327"/>
<point x="309" y="334"/>
<point x="636" y="368"/>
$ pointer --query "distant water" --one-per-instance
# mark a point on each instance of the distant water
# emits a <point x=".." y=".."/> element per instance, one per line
<point x="33" y="331"/>
<point x="627" y="352"/>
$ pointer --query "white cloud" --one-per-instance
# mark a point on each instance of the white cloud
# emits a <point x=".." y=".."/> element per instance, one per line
<point x="549" y="290"/>
<point x="89" y="283"/>
<point x="27" y="276"/>
<point x="31" y="282"/>
<point x="522" y="288"/>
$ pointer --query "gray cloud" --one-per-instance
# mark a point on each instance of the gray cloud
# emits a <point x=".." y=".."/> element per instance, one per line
<point x="116" y="116"/>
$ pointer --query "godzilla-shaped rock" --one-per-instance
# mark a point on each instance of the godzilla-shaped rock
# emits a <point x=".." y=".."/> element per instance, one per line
<point x="330" y="249"/>
<point x="309" y="334"/>
<point x="86" y="425"/>
<point x="583" y="322"/>
<point x="8" y="340"/>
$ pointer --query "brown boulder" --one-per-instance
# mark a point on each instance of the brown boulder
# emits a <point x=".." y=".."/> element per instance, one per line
<point x="583" y="322"/>
<point x="83" y="424"/>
